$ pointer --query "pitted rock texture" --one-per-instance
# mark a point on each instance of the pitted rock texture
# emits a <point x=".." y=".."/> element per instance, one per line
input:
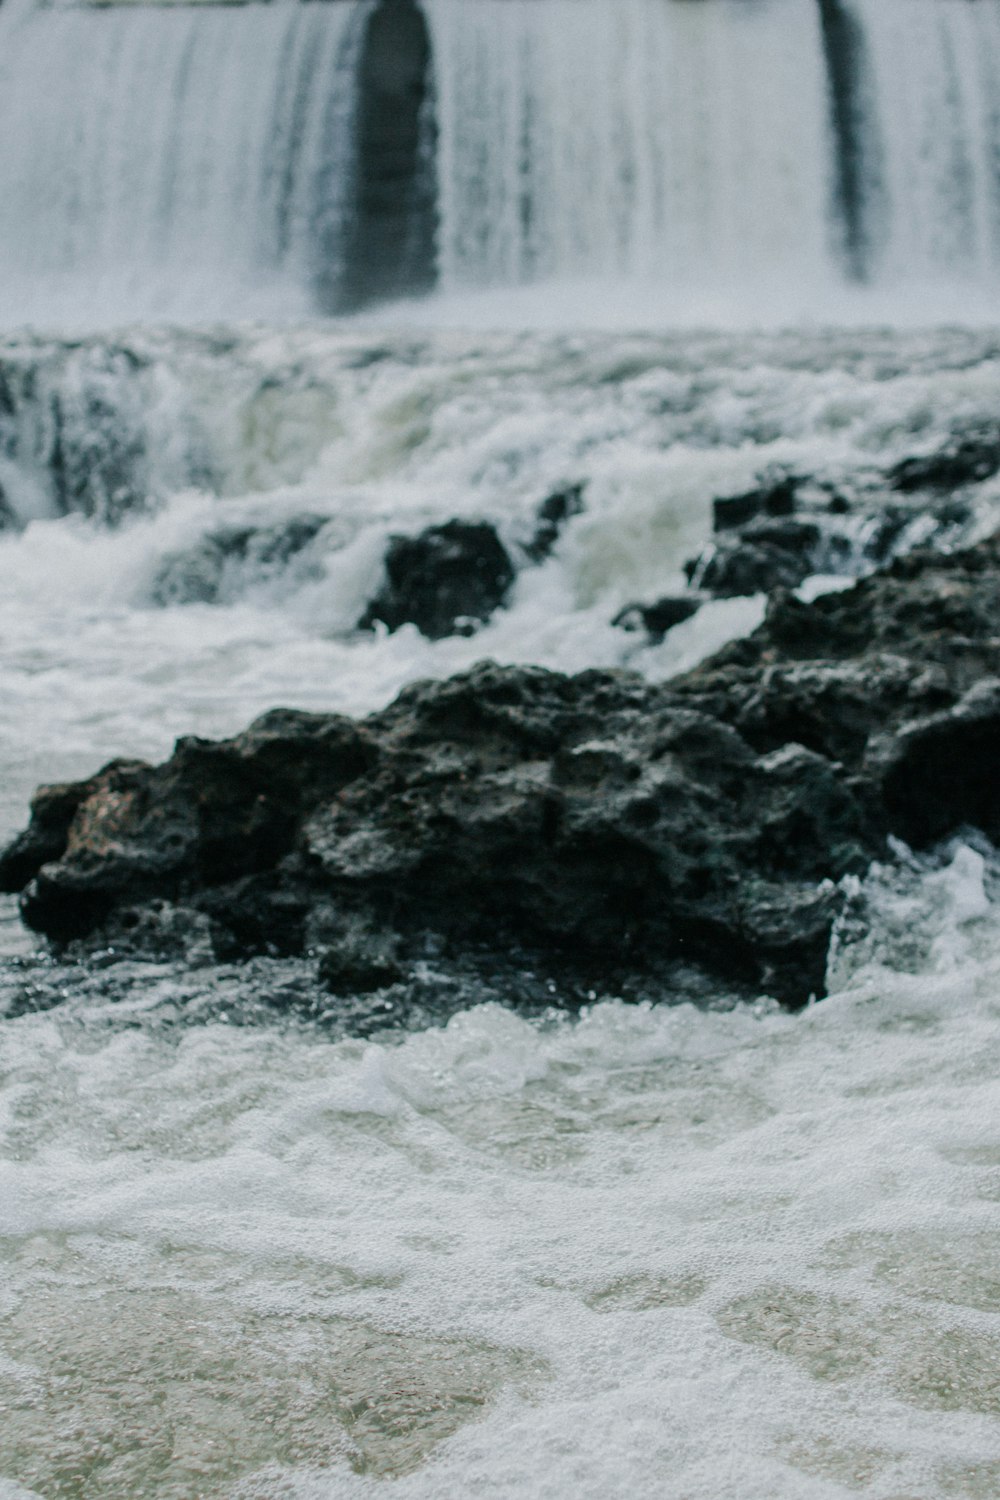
<point x="446" y="581"/>
<point x="599" y="828"/>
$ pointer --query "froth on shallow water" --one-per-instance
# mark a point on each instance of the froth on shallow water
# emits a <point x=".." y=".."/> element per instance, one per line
<point x="654" y="1250"/>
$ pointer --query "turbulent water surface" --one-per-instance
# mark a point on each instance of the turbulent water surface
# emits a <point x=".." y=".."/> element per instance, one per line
<point x="643" y="1251"/>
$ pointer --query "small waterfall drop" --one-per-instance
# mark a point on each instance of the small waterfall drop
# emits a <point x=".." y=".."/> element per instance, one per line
<point x="934" y="103"/>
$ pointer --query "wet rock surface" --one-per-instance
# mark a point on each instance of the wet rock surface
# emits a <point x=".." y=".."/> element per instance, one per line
<point x="8" y="520"/>
<point x="661" y="616"/>
<point x="550" y="518"/>
<point x="774" y="495"/>
<point x="791" y="526"/>
<point x="532" y="833"/>
<point x="445" y="581"/>
<point x="970" y="456"/>
<point x="764" y="554"/>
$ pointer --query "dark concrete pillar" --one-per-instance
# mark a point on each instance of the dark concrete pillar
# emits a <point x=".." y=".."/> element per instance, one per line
<point x="391" y="222"/>
<point x="858" y="185"/>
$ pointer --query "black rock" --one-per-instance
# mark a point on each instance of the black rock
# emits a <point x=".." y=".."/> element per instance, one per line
<point x="941" y="771"/>
<point x="801" y="538"/>
<point x="53" y="809"/>
<point x="968" y="457"/>
<point x="358" y="965"/>
<point x="763" y="555"/>
<point x="8" y="517"/>
<point x="519" y="833"/>
<point x="551" y="517"/>
<point x="829" y="534"/>
<point x="774" y="495"/>
<point x="748" y="568"/>
<point x="446" y="581"/>
<point x="657" y="618"/>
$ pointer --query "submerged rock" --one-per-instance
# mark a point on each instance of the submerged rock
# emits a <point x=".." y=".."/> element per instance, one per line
<point x="763" y="555"/>
<point x="8" y="516"/>
<point x="969" y="456"/>
<point x="550" y="518"/>
<point x="205" y="573"/>
<point x="759" y="545"/>
<point x="661" y="616"/>
<point x="358" y="961"/>
<point x="445" y="581"/>
<point x="584" y="833"/>
<point x="773" y="495"/>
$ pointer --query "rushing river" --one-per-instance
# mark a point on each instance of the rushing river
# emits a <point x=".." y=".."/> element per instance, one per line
<point x="638" y="1252"/>
<point x="642" y="1251"/>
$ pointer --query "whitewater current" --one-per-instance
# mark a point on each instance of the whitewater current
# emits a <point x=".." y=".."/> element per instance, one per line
<point x="643" y="1251"/>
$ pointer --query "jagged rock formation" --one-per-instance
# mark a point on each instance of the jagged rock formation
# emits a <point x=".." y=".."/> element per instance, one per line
<point x="970" y="456"/>
<point x="790" y="526"/>
<point x="446" y="581"/>
<point x="661" y="616"/>
<point x="593" y="828"/>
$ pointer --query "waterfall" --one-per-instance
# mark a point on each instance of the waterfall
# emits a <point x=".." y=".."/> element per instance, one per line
<point x="664" y="140"/>
<point x="189" y="159"/>
<point x="279" y="160"/>
<point x="934" y="105"/>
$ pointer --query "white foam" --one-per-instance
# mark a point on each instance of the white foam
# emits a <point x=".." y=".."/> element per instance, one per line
<point x="738" y="1251"/>
<point x="383" y="434"/>
<point x="651" y="1252"/>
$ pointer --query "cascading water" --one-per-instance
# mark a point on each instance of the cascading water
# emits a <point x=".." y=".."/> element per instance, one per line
<point x="260" y="1238"/>
<point x="665" y="141"/>
<point x="172" y="160"/>
<point x="719" y="144"/>
<point x="203" y="162"/>
<point x="933" y="118"/>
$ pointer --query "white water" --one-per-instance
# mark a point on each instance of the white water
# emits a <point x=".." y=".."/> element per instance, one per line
<point x="668" y="143"/>
<point x="936" y="100"/>
<point x="653" y="1252"/>
<point x="170" y="161"/>
<point x="641" y="160"/>
<point x="649" y="1253"/>
<point x="387" y="434"/>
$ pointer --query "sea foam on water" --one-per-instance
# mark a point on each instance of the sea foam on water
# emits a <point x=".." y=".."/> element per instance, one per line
<point x="723" y="1253"/>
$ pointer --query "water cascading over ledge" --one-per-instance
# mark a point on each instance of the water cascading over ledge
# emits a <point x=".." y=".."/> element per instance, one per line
<point x="205" y="161"/>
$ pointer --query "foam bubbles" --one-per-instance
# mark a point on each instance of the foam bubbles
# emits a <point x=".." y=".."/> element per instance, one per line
<point x="373" y="435"/>
<point x="608" y="1255"/>
<point x="650" y="1251"/>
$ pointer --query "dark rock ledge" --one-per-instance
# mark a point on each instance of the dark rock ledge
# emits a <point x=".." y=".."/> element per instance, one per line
<point x="593" y="832"/>
<point x="793" y="525"/>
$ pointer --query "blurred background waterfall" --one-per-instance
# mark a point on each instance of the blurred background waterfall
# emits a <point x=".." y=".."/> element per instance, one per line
<point x="203" y="161"/>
